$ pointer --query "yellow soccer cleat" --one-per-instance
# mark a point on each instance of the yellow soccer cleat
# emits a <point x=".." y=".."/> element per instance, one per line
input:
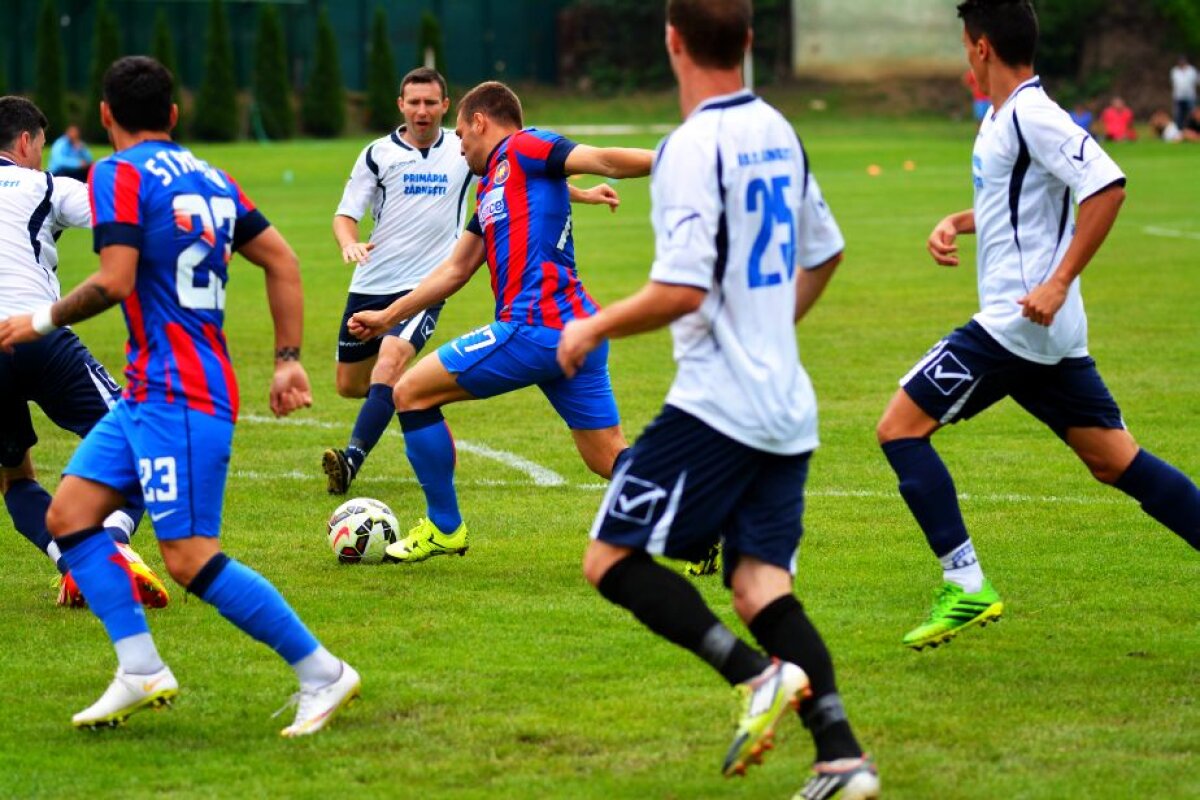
<point x="426" y="541"/>
<point x="151" y="589"/>
<point x="765" y="698"/>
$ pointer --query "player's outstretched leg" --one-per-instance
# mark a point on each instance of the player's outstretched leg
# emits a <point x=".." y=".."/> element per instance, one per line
<point x="430" y="449"/>
<point x="1165" y="493"/>
<point x="250" y="602"/>
<point x="27" y="503"/>
<point x="785" y="631"/>
<point x="374" y="416"/>
<point x="966" y="598"/>
<point x="120" y="525"/>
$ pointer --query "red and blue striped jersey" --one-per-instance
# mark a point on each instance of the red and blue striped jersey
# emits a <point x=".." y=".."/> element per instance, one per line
<point x="185" y="218"/>
<point x="523" y="212"/>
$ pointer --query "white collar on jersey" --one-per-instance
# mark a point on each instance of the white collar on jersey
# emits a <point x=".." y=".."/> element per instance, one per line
<point x="1032" y="83"/>
<point x="740" y="97"/>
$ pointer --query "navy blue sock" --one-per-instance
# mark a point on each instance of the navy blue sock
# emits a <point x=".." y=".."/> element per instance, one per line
<point x="106" y="582"/>
<point x="926" y="485"/>
<point x="1165" y="494"/>
<point x="250" y="602"/>
<point x="430" y="449"/>
<point x="27" y="502"/>
<point x="373" y="419"/>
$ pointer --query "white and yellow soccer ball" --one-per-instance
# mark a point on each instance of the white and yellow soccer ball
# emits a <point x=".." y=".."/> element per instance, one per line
<point x="360" y="530"/>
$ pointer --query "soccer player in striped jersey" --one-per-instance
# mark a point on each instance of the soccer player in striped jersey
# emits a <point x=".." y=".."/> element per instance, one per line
<point x="165" y="226"/>
<point x="744" y="246"/>
<point x="58" y="373"/>
<point x="1031" y="166"/>
<point x="522" y="229"/>
<point x="415" y="182"/>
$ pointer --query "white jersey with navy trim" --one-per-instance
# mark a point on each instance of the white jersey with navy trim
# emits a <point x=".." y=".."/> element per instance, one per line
<point x="417" y="198"/>
<point x="35" y="208"/>
<point x="1029" y="159"/>
<point x="735" y="211"/>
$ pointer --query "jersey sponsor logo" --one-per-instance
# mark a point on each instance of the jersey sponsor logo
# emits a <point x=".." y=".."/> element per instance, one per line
<point x="500" y="176"/>
<point x="492" y="208"/>
<point x="636" y="500"/>
<point x="977" y="170"/>
<point x="1080" y="150"/>
<point x="947" y="373"/>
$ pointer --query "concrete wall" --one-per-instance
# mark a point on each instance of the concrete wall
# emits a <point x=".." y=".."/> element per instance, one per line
<point x="866" y="39"/>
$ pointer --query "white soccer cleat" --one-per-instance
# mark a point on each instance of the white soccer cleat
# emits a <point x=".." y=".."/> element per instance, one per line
<point x="317" y="707"/>
<point x="128" y="694"/>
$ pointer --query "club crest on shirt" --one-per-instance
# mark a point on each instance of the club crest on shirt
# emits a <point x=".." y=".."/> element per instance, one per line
<point x="500" y="176"/>
<point x="492" y="207"/>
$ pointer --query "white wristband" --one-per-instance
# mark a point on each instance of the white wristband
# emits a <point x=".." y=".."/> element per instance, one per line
<point x="42" y="322"/>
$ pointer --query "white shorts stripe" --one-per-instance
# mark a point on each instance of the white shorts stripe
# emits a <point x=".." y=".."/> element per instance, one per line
<point x="934" y="352"/>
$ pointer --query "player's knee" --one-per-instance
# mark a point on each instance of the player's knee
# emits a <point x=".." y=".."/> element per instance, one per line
<point x="59" y="520"/>
<point x="887" y="430"/>
<point x="597" y="561"/>
<point x="351" y="387"/>
<point x="1104" y="469"/>
<point x="408" y="396"/>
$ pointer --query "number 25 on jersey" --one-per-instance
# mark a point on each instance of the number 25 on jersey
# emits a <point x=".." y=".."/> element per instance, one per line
<point x="771" y="201"/>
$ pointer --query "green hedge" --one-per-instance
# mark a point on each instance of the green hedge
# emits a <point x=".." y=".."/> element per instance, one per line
<point x="50" y="82"/>
<point x="106" y="48"/>
<point x="272" y="94"/>
<point x="216" y="118"/>
<point x="323" y="112"/>
<point x="381" y="77"/>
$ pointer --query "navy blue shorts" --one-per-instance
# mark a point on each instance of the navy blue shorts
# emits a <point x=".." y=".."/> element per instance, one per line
<point x="686" y="486"/>
<point x="416" y="330"/>
<point x="969" y="371"/>
<point x="505" y="356"/>
<point x="59" y="374"/>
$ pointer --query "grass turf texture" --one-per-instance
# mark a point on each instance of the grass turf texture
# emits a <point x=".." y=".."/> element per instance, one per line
<point x="504" y="675"/>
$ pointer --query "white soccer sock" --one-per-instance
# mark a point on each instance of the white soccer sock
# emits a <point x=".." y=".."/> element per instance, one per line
<point x="961" y="567"/>
<point x="318" y="669"/>
<point x="138" y="655"/>
<point x="53" y="551"/>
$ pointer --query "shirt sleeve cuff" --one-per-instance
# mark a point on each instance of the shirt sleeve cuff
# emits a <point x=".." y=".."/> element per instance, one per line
<point x="110" y="233"/>
<point x="248" y="226"/>
<point x="556" y="161"/>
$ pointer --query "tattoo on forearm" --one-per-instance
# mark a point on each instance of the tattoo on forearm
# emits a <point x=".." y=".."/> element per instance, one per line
<point x="82" y="303"/>
<point x="287" y="354"/>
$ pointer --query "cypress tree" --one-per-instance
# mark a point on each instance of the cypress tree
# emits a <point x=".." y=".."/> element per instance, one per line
<point x="430" y="36"/>
<point x="50" y="84"/>
<point x="163" y="50"/>
<point x="3" y="81"/>
<point x="381" y="77"/>
<point x="216" y="117"/>
<point x="324" y="110"/>
<point x="106" y="48"/>
<point x="272" y="94"/>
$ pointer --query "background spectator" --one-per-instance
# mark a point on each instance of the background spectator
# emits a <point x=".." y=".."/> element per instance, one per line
<point x="69" y="156"/>
<point x="1183" y="90"/>
<point x="1165" y="128"/>
<point x="981" y="102"/>
<point x="1191" y="127"/>
<point x="1117" y="122"/>
<point x="1082" y="116"/>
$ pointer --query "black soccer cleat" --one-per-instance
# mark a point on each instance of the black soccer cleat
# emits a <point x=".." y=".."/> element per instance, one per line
<point x="339" y="472"/>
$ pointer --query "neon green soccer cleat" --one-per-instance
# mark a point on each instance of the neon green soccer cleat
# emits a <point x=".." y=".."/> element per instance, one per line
<point x="766" y="697"/>
<point x="953" y="611"/>
<point x="708" y="565"/>
<point x="426" y="541"/>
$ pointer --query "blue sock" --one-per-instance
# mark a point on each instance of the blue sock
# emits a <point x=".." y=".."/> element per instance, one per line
<point x="926" y="485"/>
<point x="250" y="602"/>
<point x="105" y="581"/>
<point x="373" y="419"/>
<point x="1165" y="494"/>
<point x="430" y="450"/>
<point x="27" y="502"/>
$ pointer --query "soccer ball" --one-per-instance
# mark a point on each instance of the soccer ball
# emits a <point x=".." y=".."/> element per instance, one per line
<point x="360" y="530"/>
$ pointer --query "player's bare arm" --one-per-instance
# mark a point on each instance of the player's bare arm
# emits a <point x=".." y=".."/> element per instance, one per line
<point x="290" y="389"/>
<point x="445" y="279"/>
<point x="1096" y="217"/>
<point x="811" y="283"/>
<point x="602" y="194"/>
<point x="654" y="306"/>
<point x="611" y="162"/>
<point x="345" y="231"/>
<point x="111" y="284"/>
<point x="941" y="244"/>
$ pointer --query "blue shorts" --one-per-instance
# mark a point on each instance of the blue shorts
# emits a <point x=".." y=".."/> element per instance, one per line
<point x="178" y="457"/>
<point x="504" y="356"/>
<point x="686" y="486"/>
<point x="969" y="371"/>
<point x="416" y="330"/>
<point x="59" y="374"/>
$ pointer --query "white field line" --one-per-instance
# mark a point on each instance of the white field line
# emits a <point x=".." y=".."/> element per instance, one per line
<point x="1170" y="233"/>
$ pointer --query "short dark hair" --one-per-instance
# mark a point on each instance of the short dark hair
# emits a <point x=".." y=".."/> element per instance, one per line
<point x="494" y="100"/>
<point x="138" y="92"/>
<point x="17" y="116"/>
<point x="714" y="31"/>
<point x="424" y="75"/>
<point x="1010" y="25"/>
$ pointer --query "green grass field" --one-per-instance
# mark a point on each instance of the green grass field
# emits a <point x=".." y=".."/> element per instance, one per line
<point x="503" y="675"/>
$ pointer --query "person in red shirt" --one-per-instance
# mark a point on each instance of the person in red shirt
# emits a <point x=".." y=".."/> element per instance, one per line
<point x="982" y="103"/>
<point x="1117" y="122"/>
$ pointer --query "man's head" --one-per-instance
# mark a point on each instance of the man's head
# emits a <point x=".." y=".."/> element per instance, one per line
<point x="72" y="133"/>
<point x="712" y="34"/>
<point x="423" y="102"/>
<point x="486" y="114"/>
<point x="1004" y="31"/>
<point x="22" y="131"/>
<point x="137" y="96"/>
